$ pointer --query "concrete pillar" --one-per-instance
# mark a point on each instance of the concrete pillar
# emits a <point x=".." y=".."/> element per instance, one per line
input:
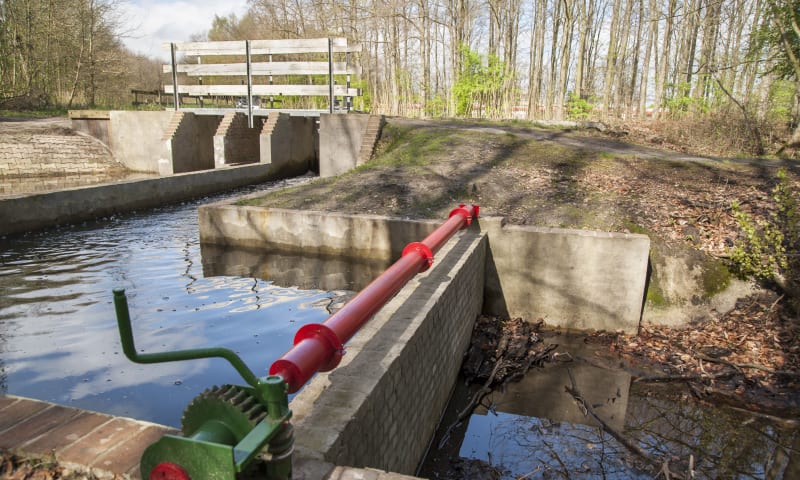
<point x="289" y="143"/>
<point x="340" y="139"/>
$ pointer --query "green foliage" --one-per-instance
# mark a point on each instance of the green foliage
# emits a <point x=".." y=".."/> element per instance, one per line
<point x="681" y="102"/>
<point x="436" y="106"/>
<point x="778" y="34"/>
<point x="781" y="98"/>
<point x="770" y="250"/>
<point x="578" y="108"/>
<point x="362" y="103"/>
<point x="477" y="83"/>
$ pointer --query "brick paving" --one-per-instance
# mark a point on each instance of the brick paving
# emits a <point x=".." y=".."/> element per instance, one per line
<point x="101" y="444"/>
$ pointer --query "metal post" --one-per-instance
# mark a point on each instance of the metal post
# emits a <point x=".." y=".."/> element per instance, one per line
<point x="175" y="94"/>
<point x="330" y="75"/>
<point x="348" y="98"/>
<point x="249" y="85"/>
<point x="271" y="98"/>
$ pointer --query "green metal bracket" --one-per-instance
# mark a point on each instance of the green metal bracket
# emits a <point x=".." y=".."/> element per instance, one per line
<point x="215" y="450"/>
<point x="126" y="337"/>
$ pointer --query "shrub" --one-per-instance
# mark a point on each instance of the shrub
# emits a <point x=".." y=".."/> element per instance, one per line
<point x="769" y="250"/>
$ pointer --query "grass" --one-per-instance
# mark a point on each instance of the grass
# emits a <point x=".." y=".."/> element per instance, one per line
<point x="44" y="113"/>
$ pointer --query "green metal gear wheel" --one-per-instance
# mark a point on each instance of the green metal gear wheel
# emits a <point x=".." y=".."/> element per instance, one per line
<point x="231" y="405"/>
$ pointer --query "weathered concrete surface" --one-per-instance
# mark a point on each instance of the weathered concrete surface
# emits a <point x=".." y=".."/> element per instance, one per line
<point x="191" y="143"/>
<point x="290" y="143"/>
<point x="340" y="138"/>
<point x="43" y="210"/>
<point x="91" y="122"/>
<point x="573" y="279"/>
<point x="380" y="407"/>
<point x="135" y="138"/>
<point x="236" y="143"/>
<point x="309" y="232"/>
<point x="687" y="285"/>
<point x="49" y="147"/>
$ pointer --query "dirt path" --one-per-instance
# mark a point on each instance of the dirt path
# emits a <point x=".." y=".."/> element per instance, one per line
<point x="11" y="125"/>
<point x="591" y="140"/>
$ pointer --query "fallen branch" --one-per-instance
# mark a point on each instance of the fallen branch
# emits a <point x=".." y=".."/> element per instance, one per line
<point x="476" y="399"/>
<point x="754" y="366"/>
<point x="662" y="467"/>
<point x="683" y="378"/>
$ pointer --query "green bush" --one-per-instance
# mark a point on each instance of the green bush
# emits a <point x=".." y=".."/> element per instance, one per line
<point x="770" y="250"/>
<point x="578" y="108"/>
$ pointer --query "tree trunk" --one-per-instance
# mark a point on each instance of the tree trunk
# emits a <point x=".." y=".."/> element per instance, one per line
<point x="611" y="61"/>
<point x="539" y="9"/>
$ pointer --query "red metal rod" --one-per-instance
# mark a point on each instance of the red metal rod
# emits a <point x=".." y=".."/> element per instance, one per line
<point x="319" y="347"/>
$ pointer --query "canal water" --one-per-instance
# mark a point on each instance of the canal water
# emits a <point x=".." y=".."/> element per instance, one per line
<point x="535" y="429"/>
<point x="58" y="335"/>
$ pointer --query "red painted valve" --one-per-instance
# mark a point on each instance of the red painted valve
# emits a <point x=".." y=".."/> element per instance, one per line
<point x="168" y="471"/>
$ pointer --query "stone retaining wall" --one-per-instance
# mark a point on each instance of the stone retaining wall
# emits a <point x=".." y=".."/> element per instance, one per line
<point x="52" y="153"/>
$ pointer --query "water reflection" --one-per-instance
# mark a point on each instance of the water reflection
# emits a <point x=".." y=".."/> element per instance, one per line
<point x="58" y="334"/>
<point x="536" y="430"/>
<point x="292" y="270"/>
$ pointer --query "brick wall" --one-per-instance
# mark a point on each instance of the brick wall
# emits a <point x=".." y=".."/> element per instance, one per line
<point x="61" y="152"/>
<point x="381" y="406"/>
<point x="235" y="142"/>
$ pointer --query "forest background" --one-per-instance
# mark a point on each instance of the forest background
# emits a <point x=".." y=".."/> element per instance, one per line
<point x="726" y="72"/>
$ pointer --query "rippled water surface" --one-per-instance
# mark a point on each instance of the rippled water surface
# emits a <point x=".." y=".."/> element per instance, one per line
<point x="58" y="334"/>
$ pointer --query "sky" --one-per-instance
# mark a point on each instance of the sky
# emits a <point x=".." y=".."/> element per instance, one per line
<point x="150" y="23"/>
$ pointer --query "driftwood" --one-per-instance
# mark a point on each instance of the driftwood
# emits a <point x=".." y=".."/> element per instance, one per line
<point x="500" y="353"/>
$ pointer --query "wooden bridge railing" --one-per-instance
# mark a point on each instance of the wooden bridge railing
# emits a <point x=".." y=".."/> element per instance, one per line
<point x="249" y="68"/>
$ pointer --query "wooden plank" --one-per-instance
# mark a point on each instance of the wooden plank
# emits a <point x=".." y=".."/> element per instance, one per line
<point x="265" y="47"/>
<point x="265" y="68"/>
<point x="262" y="90"/>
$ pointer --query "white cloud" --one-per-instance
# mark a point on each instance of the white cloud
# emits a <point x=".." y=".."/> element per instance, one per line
<point x="151" y="23"/>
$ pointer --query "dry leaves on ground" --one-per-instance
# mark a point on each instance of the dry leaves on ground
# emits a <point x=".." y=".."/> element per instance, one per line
<point x="750" y="355"/>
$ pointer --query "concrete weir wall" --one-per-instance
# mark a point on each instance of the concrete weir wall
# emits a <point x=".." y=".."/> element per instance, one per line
<point x="380" y="406"/>
<point x="43" y="210"/>
<point x="575" y="279"/>
<point x="571" y="278"/>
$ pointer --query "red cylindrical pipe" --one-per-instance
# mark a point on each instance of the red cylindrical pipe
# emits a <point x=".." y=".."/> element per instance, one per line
<point x="347" y="321"/>
<point x="319" y="347"/>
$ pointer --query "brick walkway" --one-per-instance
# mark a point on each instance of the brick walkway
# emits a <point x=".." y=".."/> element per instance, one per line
<point x="103" y="444"/>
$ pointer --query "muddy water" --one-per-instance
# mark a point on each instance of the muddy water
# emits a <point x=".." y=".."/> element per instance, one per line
<point x="535" y="429"/>
<point x="58" y="334"/>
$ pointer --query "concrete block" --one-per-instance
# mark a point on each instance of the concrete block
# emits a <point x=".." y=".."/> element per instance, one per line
<point x="574" y="279"/>
<point x="340" y="139"/>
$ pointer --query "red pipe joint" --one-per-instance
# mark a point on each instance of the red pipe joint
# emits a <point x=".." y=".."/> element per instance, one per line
<point x="319" y="347"/>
